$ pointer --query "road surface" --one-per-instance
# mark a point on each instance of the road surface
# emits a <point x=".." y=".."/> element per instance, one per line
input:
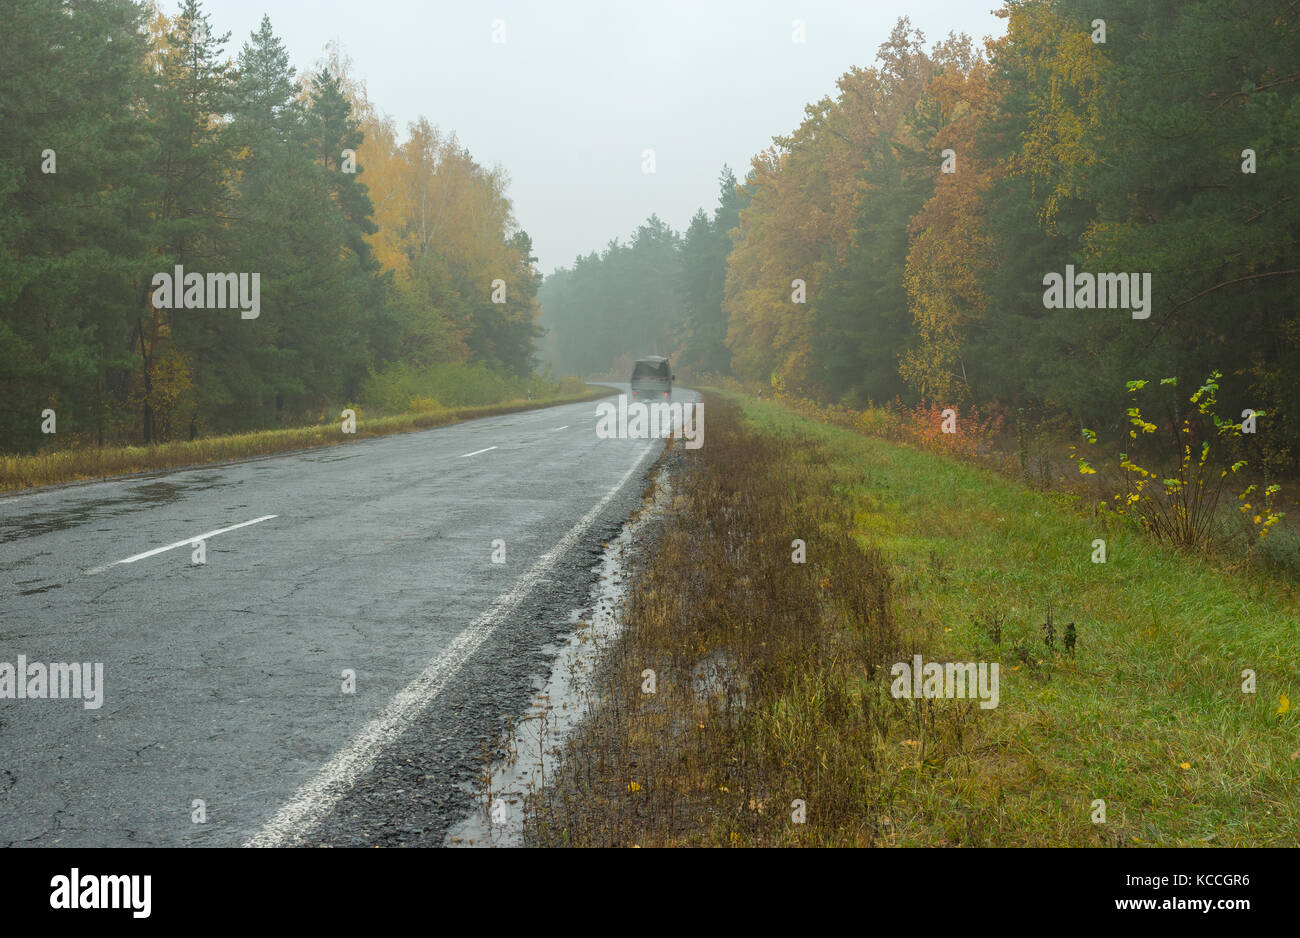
<point x="224" y="718"/>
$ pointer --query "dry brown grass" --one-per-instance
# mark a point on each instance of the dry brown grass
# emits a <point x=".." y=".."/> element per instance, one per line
<point x="772" y="676"/>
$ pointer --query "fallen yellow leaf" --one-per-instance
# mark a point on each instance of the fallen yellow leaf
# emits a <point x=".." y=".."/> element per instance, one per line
<point x="1184" y="765"/>
<point x="633" y="786"/>
<point x="1284" y="705"/>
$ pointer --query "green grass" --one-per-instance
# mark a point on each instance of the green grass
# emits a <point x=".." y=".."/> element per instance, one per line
<point x="89" y="462"/>
<point x="1155" y="683"/>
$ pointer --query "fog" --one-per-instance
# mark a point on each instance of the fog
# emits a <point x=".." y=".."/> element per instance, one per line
<point x="575" y="93"/>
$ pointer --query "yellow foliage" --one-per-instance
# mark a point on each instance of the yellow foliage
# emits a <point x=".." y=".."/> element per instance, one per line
<point x="1065" y="121"/>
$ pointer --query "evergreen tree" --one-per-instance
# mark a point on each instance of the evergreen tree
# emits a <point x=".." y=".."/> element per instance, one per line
<point x="71" y="246"/>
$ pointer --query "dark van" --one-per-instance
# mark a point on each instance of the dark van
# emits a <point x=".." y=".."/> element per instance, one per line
<point x="652" y="378"/>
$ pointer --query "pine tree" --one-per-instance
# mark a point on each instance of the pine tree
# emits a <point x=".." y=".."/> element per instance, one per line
<point x="71" y="248"/>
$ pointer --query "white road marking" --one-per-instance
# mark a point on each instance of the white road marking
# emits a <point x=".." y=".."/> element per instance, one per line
<point x="185" y="543"/>
<point x="319" y="795"/>
<point x="565" y="427"/>
<point x="476" y="452"/>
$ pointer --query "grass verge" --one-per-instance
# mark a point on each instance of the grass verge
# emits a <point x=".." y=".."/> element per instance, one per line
<point x="62" y="466"/>
<point x="772" y="678"/>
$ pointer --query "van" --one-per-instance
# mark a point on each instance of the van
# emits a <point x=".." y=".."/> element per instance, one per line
<point x="652" y="378"/>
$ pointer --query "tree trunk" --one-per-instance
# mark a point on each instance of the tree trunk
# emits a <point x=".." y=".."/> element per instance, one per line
<point x="148" y="386"/>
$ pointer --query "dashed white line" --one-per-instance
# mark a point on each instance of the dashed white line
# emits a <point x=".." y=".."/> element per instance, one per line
<point x="319" y="795"/>
<point x="565" y="427"/>
<point x="185" y="543"/>
<point x="476" y="452"/>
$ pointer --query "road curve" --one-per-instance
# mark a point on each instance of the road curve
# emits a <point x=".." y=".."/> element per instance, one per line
<point x="223" y="681"/>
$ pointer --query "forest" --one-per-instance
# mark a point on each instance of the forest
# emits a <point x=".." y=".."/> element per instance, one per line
<point x="899" y="244"/>
<point x="388" y="265"/>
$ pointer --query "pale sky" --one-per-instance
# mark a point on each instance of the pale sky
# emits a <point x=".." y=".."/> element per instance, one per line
<point x="579" y="88"/>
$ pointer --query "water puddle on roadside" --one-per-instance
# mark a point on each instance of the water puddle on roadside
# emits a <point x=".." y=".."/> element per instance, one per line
<point x="538" y="741"/>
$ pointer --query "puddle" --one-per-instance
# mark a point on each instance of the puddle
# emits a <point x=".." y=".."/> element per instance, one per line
<point x="130" y="497"/>
<point x="559" y="706"/>
<point x="715" y="679"/>
<point x="332" y="458"/>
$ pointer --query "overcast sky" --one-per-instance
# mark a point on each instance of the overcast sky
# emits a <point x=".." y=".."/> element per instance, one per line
<point x="575" y="93"/>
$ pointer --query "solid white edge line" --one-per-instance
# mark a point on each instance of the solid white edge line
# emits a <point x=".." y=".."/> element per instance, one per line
<point x="188" y="541"/>
<point x="476" y="452"/>
<point x="315" y="799"/>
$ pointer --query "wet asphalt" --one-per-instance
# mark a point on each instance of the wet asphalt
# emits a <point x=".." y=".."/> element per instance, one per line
<point x="223" y="682"/>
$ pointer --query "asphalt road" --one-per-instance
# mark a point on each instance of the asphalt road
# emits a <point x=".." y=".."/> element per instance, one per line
<point x="223" y="682"/>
